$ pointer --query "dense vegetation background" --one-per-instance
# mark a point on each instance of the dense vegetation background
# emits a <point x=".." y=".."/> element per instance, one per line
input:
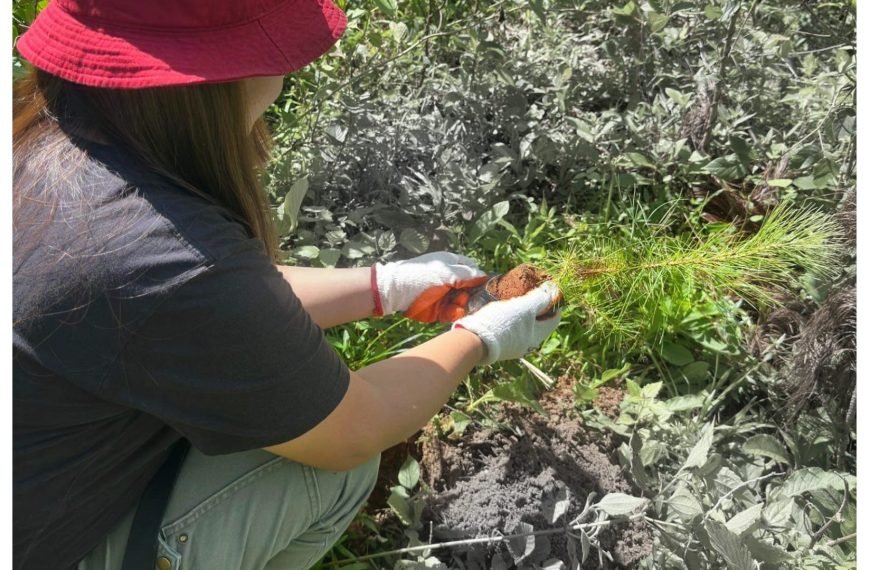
<point x="505" y="129"/>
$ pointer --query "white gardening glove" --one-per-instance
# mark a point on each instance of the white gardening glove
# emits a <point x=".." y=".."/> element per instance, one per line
<point x="510" y="328"/>
<point x="396" y="285"/>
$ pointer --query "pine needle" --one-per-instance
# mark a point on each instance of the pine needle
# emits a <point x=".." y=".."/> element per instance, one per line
<point x="632" y="288"/>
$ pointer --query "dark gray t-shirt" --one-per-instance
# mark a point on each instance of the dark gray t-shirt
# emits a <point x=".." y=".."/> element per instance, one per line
<point x="143" y="313"/>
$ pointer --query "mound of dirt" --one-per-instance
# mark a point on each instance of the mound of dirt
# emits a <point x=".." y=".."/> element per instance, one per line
<point x="490" y="482"/>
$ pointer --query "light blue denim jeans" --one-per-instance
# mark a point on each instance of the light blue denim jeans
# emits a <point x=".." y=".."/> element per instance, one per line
<point x="247" y="511"/>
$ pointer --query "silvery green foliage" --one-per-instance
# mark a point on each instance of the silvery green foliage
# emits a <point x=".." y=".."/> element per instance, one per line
<point x="412" y="129"/>
<point x="732" y="494"/>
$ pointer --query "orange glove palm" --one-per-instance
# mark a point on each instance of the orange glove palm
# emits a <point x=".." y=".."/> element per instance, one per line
<point x="444" y="303"/>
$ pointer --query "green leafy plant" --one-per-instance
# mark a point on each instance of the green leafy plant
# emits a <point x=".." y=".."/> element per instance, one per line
<point x="401" y="500"/>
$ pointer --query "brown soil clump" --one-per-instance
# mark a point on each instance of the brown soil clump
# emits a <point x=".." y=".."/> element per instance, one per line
<point x="516" y="282"/>
<point x="608" y="401"/>
<point x="490" y="481"/>
<point x="559" y="400"/>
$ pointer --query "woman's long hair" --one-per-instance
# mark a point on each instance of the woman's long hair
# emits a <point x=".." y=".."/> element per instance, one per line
<point x="197" y="136"/>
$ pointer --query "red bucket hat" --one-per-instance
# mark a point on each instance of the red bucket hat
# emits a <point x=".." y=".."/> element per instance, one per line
<point x="132" y="44"/>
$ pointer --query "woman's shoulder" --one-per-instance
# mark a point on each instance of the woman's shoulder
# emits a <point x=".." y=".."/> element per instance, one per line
<point x="106" y="223"/>
<point x="188" y="214"/>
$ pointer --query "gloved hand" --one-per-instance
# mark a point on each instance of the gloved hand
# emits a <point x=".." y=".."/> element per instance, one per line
<point x="425" y="282"/>
<point x="510" y="328"/>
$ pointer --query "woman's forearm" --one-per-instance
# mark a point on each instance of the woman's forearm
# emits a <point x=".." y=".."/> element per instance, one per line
<point x="387" y="402"/>
<point x="413" y="386"/>
<point x="332" y="296"/>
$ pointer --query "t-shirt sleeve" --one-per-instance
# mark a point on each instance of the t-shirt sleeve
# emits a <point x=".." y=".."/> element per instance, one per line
<point x="231" y="360"/>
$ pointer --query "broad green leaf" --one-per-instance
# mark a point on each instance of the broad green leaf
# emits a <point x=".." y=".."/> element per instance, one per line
<point x="635" y="463"/>
<point x="767" y="446"/>
<point x="825" y="173"/>
<point x="730" y="546"/>
<point x="488" y="220"/>
<point x="388" y="7"/>
<point x="639" y="159"/>
<point x="537" y="7"/>
<point x="676" y="354"/>
<point x="337" y="132"/>
<point x="657" y="22"/>
<point x="712" y="12"/>
<point x="727" y="480"/>
<point x="715" y="345"/>
<point x="805" y="157"/>
<point x="780" y="182"/>
<point x="516" y="391"/>
<point x="696" y="371"/>
<point x="409" y="473"/>
<point x="805" y="183"/>
<point x="652" y="452"/>
<point x="683" y="403"/>
<point x="307" y="252"/>
<point x="652" y="390"/>
<point x="414" y="241"/>
<point x="399" y="31"/>
<point x="620" y="504"/>
<point x="685" y="504"/>
<point x="745" y="519"/>
<point x="329" y="256"/>
<point x="556" y="505"/>
<point x="727" y="167"/>
<point x="698" y="455"/>
<point x="711" y="466"/>
<point x="289" y="209"/>
<point x="811" y="479"/>
<point x="521" y="546"/>
<point x="386" y="241"/>
<point x="766" y="552"/>
<point x="777" y="514"/>
<point x="677" y="97"/>
<point x="743" y="151"/>
<point x="460" y="422"/>
<point x="629" y="9"/>
<point x="399" y="502"/>
<point x="612" y="373"/>
<point x="355" y="249"/>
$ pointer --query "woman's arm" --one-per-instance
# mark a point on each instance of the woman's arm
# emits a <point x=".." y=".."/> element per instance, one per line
<point x="332" y="296"/>
<point x="337" y="296"/>
<point x="387" y="402"/>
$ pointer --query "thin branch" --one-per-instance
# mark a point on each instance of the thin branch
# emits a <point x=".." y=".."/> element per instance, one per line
<point x="818" y="534"/>
<point x="738" y="487"/>
<point x="838" y="46"/>
<point x="717" y="85"/>
<point x="842" y="539"/>
<point x="482" y="540"/>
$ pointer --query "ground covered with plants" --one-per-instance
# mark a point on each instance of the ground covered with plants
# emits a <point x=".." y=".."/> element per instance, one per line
<point x="694" y="414"/>
<point x="703" y="417"/>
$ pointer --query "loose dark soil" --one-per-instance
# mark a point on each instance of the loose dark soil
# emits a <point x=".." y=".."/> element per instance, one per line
<point x="489" y="481"/>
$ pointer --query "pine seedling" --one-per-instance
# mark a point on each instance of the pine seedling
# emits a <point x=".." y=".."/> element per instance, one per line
<point x="635" y="289"/>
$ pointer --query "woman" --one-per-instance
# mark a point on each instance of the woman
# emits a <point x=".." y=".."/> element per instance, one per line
<point x="149" y="313"/>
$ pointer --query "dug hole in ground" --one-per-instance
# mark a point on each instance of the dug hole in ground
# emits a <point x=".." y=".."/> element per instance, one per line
<point x="490" y="482"/>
